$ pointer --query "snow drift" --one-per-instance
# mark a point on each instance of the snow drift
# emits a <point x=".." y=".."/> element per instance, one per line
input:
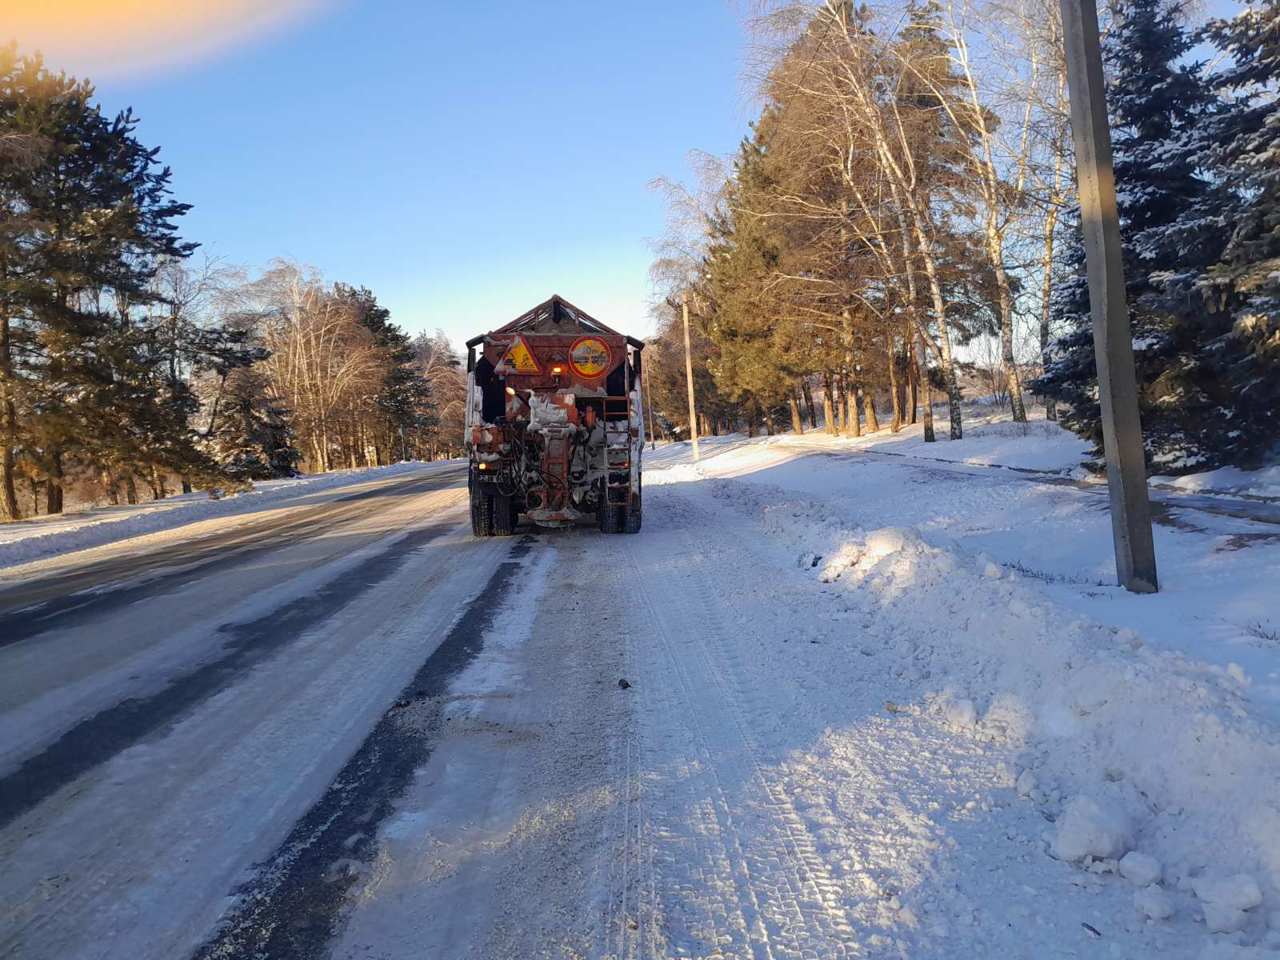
<point x="1129" y="752"/>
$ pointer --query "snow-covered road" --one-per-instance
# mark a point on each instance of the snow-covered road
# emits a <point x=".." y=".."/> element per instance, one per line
<point x="345" y="728"/>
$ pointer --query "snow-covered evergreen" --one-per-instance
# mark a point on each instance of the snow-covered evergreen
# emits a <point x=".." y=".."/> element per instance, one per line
<point x="1246" y="280"/>
<point x="1174" y="222"/>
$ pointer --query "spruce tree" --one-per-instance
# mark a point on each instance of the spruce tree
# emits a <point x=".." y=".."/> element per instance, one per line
<point x="1171" y="213"/>
<point x="250" y="436"/>
<point x="1246" y="277"/>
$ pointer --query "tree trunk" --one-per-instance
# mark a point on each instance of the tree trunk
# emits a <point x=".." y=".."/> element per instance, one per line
<point x="852" y="422"/>
<point x="8" y="494"/>
<point x="54" y="496"/>
<point x="896" y="423"/>
<point x="926" y="391"/>
<point x="938" y="301"/>
<point x="913" y="376"/>
<point x="797" y="424"/>
<point x="995" y="252"/>
<point x="828" y="407"/>
<point x="869" y="408"/>
<point x="130" y="488"/>
<point x="8" y="428"/>
<point x="953" y="398"/>
<point x="808" y="402"/>
<point x="1012" y="377"/>
<point x="1046" y="292"/>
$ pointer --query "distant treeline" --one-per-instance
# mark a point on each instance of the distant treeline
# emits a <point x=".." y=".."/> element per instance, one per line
<point x="905" y="200"/>
<point x="126" y="367"/>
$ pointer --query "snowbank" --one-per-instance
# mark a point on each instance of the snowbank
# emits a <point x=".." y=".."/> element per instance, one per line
<point x="1250" y="483"/>
<point x="1124" y="748"/>
<point x="35" y="539"/>
<point x="989" y="441"/>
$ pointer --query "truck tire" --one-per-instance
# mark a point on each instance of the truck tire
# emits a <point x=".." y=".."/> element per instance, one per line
<point x="503" y="513"/>
<point x="631" y="523"/>
<point x="610" y="518"/>
<point x="481" y="513"/>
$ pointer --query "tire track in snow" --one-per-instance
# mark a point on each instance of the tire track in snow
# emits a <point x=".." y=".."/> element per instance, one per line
<point x="804" y="914"/>
<point x="818" y="885"/>
<point x="747" y="915"/>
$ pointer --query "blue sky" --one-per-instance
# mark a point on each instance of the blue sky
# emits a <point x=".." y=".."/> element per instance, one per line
<point x="464" y="161"/>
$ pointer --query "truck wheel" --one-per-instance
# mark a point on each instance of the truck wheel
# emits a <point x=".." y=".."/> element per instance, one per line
<point x="481" y="513"/>
<point x="610" y="518"/>
<point x="503" y="511"/>
<point x="631" y="524"/>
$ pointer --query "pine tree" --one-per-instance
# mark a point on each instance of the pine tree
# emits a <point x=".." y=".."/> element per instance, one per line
<point x="85" y="228"/>
<point x="1246" y="278"/>
<point x="752" y="368"/>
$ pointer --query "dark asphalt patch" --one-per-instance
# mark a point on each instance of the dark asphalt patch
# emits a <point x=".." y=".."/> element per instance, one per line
<point x="293" y="907"/>
<point x="102" y="736"/>
<point x="78" y="607"/>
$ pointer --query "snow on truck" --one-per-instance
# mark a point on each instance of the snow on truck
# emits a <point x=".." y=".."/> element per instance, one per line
<point x="554" y="430"/>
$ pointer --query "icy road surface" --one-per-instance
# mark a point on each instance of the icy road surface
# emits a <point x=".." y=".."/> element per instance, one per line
<point x="341" y="727"/>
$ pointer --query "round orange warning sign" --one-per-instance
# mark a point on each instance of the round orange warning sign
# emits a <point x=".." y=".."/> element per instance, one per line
<point x="589" y="357"/>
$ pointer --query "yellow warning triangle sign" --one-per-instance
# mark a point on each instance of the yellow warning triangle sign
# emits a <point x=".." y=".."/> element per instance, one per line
<point x="519" y="358"/>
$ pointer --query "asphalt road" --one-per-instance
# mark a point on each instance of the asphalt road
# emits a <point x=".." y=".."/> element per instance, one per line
<point x="130" y="680"/>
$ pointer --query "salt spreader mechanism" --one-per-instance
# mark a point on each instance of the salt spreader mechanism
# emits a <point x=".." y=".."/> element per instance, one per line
<point x="554" y="429"/>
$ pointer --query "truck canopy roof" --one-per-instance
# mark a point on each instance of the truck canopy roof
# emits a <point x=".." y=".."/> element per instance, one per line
<point x="556" y="315"/>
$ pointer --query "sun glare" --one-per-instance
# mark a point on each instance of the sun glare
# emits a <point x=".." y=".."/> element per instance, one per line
<point x="131" y="37"/>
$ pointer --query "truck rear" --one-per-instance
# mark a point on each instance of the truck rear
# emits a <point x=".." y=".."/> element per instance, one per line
<point x="554" y="429"/>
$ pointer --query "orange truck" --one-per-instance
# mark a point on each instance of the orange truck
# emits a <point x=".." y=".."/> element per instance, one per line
<point x="554" y="429"/>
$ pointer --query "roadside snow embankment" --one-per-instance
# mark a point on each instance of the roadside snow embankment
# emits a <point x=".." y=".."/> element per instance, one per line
<point x="1264" y="483"/>
<point x="1145" y="764"/>
<point x="24" y="541"/>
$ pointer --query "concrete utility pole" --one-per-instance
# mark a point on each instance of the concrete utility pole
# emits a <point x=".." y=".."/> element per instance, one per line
<point x="1112" y="338"/>
<point x="688" y="373"/>
<point x="648" y="398"/>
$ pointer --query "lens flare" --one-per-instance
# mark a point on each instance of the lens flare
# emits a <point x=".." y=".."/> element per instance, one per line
<point x="100" y="38"/>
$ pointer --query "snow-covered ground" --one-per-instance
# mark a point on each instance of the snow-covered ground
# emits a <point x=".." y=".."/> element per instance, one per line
<point x="1126" y="724"/>
<point x="838" y="698"/>
<point x="47" y="536"/>
<point x="1013" y="493"/>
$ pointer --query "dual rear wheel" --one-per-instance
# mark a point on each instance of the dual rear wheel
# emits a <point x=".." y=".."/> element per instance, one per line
<point x="621" y="519"/>
<point x="492" y="515"/>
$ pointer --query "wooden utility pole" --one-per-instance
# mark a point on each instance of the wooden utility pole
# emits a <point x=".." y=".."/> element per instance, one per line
<point x="1112" y="338"/>
<point x="688" y="373"/>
